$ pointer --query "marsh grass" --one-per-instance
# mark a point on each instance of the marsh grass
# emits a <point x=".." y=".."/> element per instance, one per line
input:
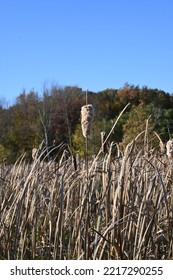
<point x="129" y="209"/>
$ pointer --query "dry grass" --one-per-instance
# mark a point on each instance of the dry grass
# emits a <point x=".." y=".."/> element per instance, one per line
<point x="125" y="211"/>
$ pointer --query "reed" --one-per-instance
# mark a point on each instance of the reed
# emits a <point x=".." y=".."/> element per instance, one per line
<point x="44" y="214"/>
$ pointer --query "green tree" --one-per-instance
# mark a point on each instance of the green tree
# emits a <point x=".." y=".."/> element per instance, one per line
<point x="164" y="124"/>
<point x="66" y="113"/>
<point x="21" y="130"/>
<point x="136" y="122"/>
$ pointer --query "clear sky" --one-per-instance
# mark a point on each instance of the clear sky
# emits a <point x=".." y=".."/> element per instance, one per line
<point x="93" y="44"/>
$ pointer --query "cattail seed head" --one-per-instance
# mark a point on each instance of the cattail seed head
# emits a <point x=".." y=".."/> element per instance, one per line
<point x="169" y="148"/>
<point x="34" y="153"/>
<point x="87" y="114"/>
<point x="162" y="146"/>
<point x="103" y="138"/>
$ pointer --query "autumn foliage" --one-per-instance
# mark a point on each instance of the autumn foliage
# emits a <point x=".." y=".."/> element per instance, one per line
<point x="54" y="118"/>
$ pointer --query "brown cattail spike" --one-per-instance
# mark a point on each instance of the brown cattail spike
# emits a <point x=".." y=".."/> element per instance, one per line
<point x="87" y="113"/>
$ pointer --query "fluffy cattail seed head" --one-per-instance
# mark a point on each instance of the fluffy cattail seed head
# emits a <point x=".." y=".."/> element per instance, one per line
<point x="169" y="148"/>
<point x="87" y="114"/>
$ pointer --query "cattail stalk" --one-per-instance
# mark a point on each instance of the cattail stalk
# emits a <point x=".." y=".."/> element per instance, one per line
<point x="87" y="113"/>
<point x="103" y="144"/>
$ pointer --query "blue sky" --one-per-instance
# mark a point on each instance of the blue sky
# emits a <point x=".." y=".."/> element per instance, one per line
<point x="93" y="44"/>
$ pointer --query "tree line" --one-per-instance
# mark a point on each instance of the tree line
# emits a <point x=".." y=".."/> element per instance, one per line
<point x="54" y="118"/>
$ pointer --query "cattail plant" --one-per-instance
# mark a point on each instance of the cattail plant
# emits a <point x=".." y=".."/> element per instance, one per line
<point x="162" y="147"/>
<point x="34" y="153"/>
<point x="123" y="212"/>
<point x="87" y="113"/>
<point x="169" y="149"/>
<point x="103" y="142"/>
